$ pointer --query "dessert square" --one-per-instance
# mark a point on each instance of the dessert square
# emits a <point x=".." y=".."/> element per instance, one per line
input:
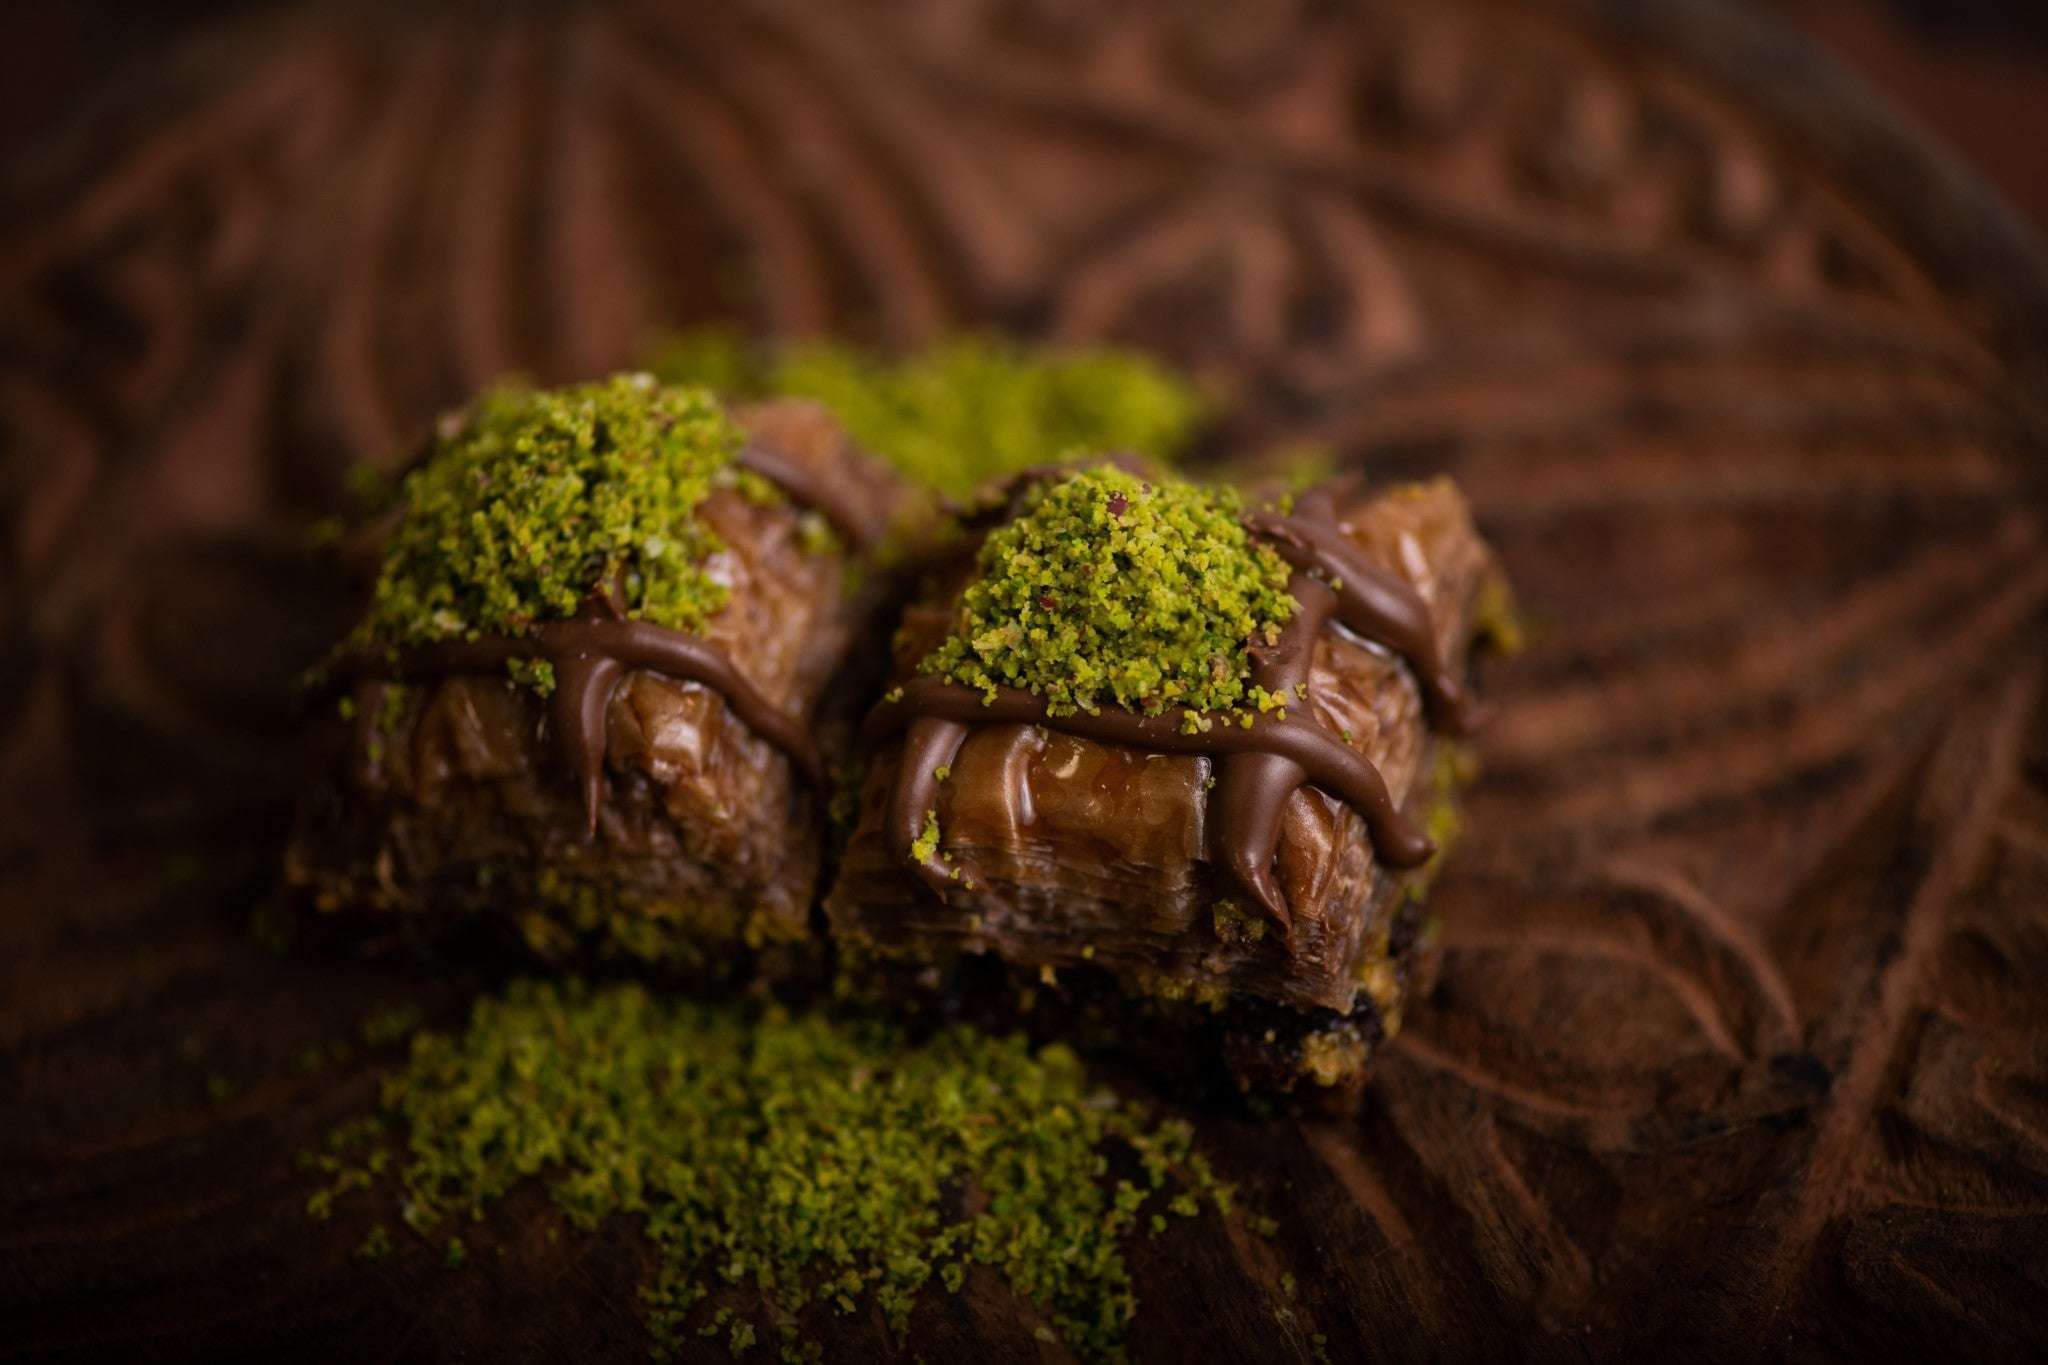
<point x="584" y="771"/>
<point x="1246" y="884"/>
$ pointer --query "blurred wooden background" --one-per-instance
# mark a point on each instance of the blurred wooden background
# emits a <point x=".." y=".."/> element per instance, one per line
<point x="1741" y="1050"/>
<point x="1973" y="71"/>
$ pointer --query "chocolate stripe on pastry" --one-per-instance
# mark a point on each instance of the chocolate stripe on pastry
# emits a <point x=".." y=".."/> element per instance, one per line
<point x="1252" y="789"/>
<point x="831" y="500"/>
<point x="1372" y="602"/>
<point x="930" y="744"/>
<point x="1327" y="762"/>
<point x="589" y="653"/>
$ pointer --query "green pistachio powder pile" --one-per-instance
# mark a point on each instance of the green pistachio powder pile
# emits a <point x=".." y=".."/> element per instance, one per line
<point x="825" y="1165"/>
<point x="964" y="412"/>
<point x="541" y="496"/>
<point x="1110" y="588"/>
<point x="820" y="1163"/>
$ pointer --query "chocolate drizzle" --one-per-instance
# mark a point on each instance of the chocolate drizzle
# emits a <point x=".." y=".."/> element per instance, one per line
<point x="589" y="653"/>
<point x="1252" y="788"/>
<point x="594" y="648"/>
<point x="1327" y="762"/>
<point x="1371" y="602"/>
<point x="830" y="499"/>
<point x="1261" y="764"/>
<point x="930" y="743"/>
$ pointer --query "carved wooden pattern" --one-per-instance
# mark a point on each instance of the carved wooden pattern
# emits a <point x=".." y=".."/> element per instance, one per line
<point x="1740" y="1040"/>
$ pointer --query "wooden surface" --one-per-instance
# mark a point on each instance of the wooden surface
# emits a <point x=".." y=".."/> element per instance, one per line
<point x="1740" y="1048"/>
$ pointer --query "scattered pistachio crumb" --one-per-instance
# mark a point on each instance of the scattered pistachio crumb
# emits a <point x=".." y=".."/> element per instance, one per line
<point x="957" y="415"/>
<point x="538" y="674"/>
<point x="1330" y="1058"/>
<point x="815" y="536"/>
<point x="926" y="845"/>
<point x="1496" y="618"/>
<point x="818" y="1161"/>
<point x="1234" y="926"/>
<point x="394" y="698"/>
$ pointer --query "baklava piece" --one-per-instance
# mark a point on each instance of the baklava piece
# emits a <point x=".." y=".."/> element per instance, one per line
<point x="1170" y="774"/>
<point x="580" y="705"/>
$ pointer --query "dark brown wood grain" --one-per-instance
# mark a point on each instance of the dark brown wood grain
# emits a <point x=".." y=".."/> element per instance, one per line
<point x="1740" y="1047"/>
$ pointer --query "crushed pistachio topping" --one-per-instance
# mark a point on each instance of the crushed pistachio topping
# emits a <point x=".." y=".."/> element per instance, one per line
<point x="388" y="723"/>
<point x="965" y="412"/>
<point x="791" y="1162"/>
<point x="538" y="674"/>
<point x="1108" y="589"/>
<point x="1331" y="1058"/>
<point x="1495" y="617"/>
<point x="541" y="496"/>
<point x="1234" y="926"/>
<point x="927" y="841"/>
